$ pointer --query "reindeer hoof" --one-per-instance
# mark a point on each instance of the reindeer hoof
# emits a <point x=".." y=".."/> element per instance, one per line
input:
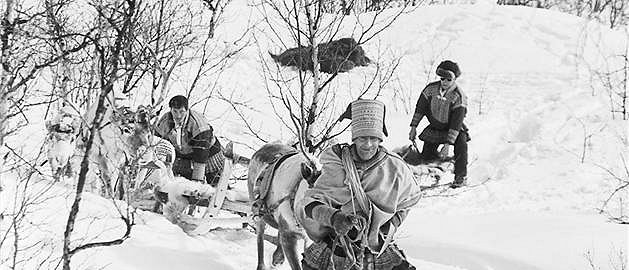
<point x="278" y="256"/>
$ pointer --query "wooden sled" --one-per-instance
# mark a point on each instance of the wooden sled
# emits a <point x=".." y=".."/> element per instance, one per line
<point x="217" y="202"/>
<point x="428" y="173"/>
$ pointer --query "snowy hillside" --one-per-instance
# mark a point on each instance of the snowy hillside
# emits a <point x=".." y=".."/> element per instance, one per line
<point x="533" y="203"/>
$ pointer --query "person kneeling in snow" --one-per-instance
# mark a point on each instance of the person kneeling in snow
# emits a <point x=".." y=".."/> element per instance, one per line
<point x="200" y="156"/>
<point x="62" y="132"/>
<point x="445" y="106"/>
<point x="156" y="157"/>
<point x="362" y="196"/>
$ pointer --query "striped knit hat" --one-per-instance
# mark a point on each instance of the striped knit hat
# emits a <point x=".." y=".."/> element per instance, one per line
<point x="367" y="118"/>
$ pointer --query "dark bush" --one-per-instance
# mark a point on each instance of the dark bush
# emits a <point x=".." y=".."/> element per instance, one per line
<point x="336" y="56"/>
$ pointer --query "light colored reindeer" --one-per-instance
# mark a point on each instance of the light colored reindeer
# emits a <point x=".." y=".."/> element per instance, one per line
<point x="277" y="178"/>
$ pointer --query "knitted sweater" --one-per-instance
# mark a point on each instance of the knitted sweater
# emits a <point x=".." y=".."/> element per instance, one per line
<point x="443" y="112"/>
<point x="198" y="142"/>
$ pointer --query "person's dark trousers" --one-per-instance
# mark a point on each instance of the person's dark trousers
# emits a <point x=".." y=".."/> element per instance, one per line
<point x="429" y="152"/>
<point x="460" y="155"/>
<point x="182" y="167"/>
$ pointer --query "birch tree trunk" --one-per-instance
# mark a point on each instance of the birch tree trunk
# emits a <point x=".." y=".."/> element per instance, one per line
<point x="74" y="210"/>
<point x="4" y="73"/>
<point x="61" y="75"/>
<point x="109" y="62"/>
<point x="5" y="90"/>
<point x="312" y="111"/>
<point x="625" y="81"/>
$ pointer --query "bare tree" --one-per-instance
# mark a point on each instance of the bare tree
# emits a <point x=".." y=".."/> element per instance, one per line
<point x="587" y="133"/>
<point x="166" y="30"/>
<point x="619" y="193"/>
<point x="136" y="44"/>
<point x="608" y="66"/>
<point x="132" y="44"/>
<point x="614" y="77"/>
<point x="482" y="95"/>
<point x="110" y="45"/>
<point x="23" y="197"/>
<point x="55" y="19"/>
<point x="307" y="101"/>
<point x="211" y="57"/>
<point x="618" y="13"/>
<point x="587" y="136"/>
<point x="614" y="13"/>
<point x="25" y="53"/>
<point x="30" y="48"/>
<point x="617" y="260"/>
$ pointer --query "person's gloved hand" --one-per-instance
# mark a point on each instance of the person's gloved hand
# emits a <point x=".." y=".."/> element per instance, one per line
<point x="452" y="135"/>
<point x="444" y="152"/>
<point x="343" y="223"/>
<point x="412" y="134"/>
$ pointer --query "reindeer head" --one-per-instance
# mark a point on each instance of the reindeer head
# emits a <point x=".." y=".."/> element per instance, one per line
<point x="310" y="170"/>
<point x="142" y="128"/>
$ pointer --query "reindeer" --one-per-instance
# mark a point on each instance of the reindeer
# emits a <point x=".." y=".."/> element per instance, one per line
<point x="275" y="182"/>
<point x="59" y="152"/>
<point x="61" y="141"/>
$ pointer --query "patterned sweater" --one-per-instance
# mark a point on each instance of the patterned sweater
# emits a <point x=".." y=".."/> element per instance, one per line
<point x="443" y="112"/>
<point x="198" y="142"/>
<point x="163" y="150"/>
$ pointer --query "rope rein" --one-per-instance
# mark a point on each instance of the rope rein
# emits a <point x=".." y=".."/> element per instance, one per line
<point x="363" y="209"/>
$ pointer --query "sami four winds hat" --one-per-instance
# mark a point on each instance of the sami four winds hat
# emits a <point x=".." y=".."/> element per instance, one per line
<point x="367" y="117"/>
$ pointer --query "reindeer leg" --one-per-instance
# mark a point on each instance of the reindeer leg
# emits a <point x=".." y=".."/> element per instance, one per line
<point x="288" y="241"/>
<point x="260" y="240"/>
<point x="278" y="254"/>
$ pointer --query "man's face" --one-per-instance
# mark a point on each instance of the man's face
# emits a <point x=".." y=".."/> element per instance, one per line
<point x="179" y="114"/>
<point x="367" y="146"/>
<point x="447" y="83"/>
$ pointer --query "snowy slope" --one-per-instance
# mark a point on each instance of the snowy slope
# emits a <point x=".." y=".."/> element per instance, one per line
<point x="530" y="109"/>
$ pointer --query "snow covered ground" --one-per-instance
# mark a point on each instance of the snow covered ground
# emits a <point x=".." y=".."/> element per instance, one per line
<point x="530" y="108"/>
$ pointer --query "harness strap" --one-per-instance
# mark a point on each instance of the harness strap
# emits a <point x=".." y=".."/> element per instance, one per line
<point x="272" y="207"/>
<point x="259" y="207"/>
<point x="103" y="126"/>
